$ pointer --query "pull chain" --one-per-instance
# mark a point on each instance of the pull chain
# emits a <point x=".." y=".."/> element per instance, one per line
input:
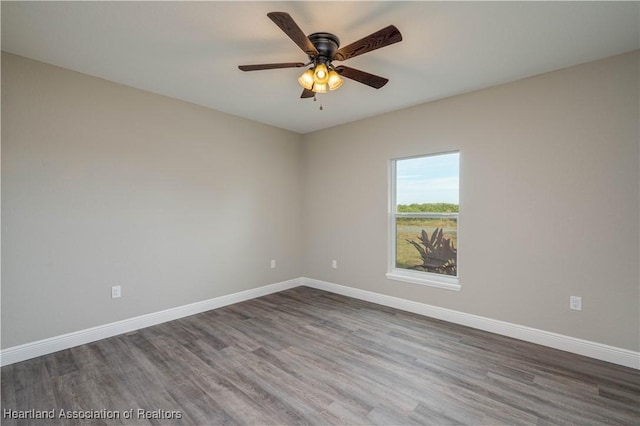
<point x="315" y="100"/>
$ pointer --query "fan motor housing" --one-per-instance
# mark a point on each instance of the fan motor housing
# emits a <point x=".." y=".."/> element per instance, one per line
<point x="326" y="44"/>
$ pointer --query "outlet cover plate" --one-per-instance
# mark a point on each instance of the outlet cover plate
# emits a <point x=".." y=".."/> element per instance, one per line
<point x="116" y="291"/>
<point x="575" y="303"/>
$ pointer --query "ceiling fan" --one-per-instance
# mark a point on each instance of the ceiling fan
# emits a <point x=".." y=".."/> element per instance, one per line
<point x="322" y="49"/>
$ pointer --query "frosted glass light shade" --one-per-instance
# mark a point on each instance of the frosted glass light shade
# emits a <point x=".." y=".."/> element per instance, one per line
<point x="321" y="74"/>
<point x="319" y="88"/>
<point x="335" y="80"/>
<point x="306" y="79"/>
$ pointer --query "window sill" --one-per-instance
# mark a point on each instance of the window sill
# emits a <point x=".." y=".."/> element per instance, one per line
<point x="425" y="278"/>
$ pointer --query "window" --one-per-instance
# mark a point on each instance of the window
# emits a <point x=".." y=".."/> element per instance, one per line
<point x="424" y="220"/>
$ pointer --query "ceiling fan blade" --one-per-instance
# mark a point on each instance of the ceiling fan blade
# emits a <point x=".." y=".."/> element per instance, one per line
<point x="290" y="28"/>
<point x="372" y="80"/>
<point x="258" y="67"/>
<point x="381" y="38"/>
<point x="306" y="93"/>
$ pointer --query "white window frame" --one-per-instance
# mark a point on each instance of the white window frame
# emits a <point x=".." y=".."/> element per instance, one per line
<point x="430" y="279"/>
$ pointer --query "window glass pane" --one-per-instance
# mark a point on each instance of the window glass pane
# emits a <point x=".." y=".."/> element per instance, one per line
<point x="428" y="245"/>
<point x="427" y="185"/>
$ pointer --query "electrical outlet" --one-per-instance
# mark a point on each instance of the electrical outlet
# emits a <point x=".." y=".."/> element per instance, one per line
<point x="575" y="303"/>
<point x="273" y="263"/>
<point x="116" y="291"/>
<point x="334" y="264"/>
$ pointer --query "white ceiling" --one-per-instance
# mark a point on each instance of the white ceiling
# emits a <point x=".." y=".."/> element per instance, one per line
<point x="191" y="50"/>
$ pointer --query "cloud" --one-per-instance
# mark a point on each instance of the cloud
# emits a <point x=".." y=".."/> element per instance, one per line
<point x="429" y="179"/>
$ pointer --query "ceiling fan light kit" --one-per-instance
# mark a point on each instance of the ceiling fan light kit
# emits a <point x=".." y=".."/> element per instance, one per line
<point x="318" y="78"/>
<point x="322" y="49"/>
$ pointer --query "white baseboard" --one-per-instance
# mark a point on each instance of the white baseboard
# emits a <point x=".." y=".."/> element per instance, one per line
<point x="595" y="350"/>
<point x="587" y="348"/>
<point x="66" y="341"/>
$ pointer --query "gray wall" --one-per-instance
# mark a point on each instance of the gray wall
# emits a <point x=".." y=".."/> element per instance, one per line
<point x="107" y="185"/>
<point x="104" y="184"/>
<point x="549" y="200"/>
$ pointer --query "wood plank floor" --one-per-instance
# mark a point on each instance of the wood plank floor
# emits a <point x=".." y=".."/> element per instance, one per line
<point x="304" y="356"/>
